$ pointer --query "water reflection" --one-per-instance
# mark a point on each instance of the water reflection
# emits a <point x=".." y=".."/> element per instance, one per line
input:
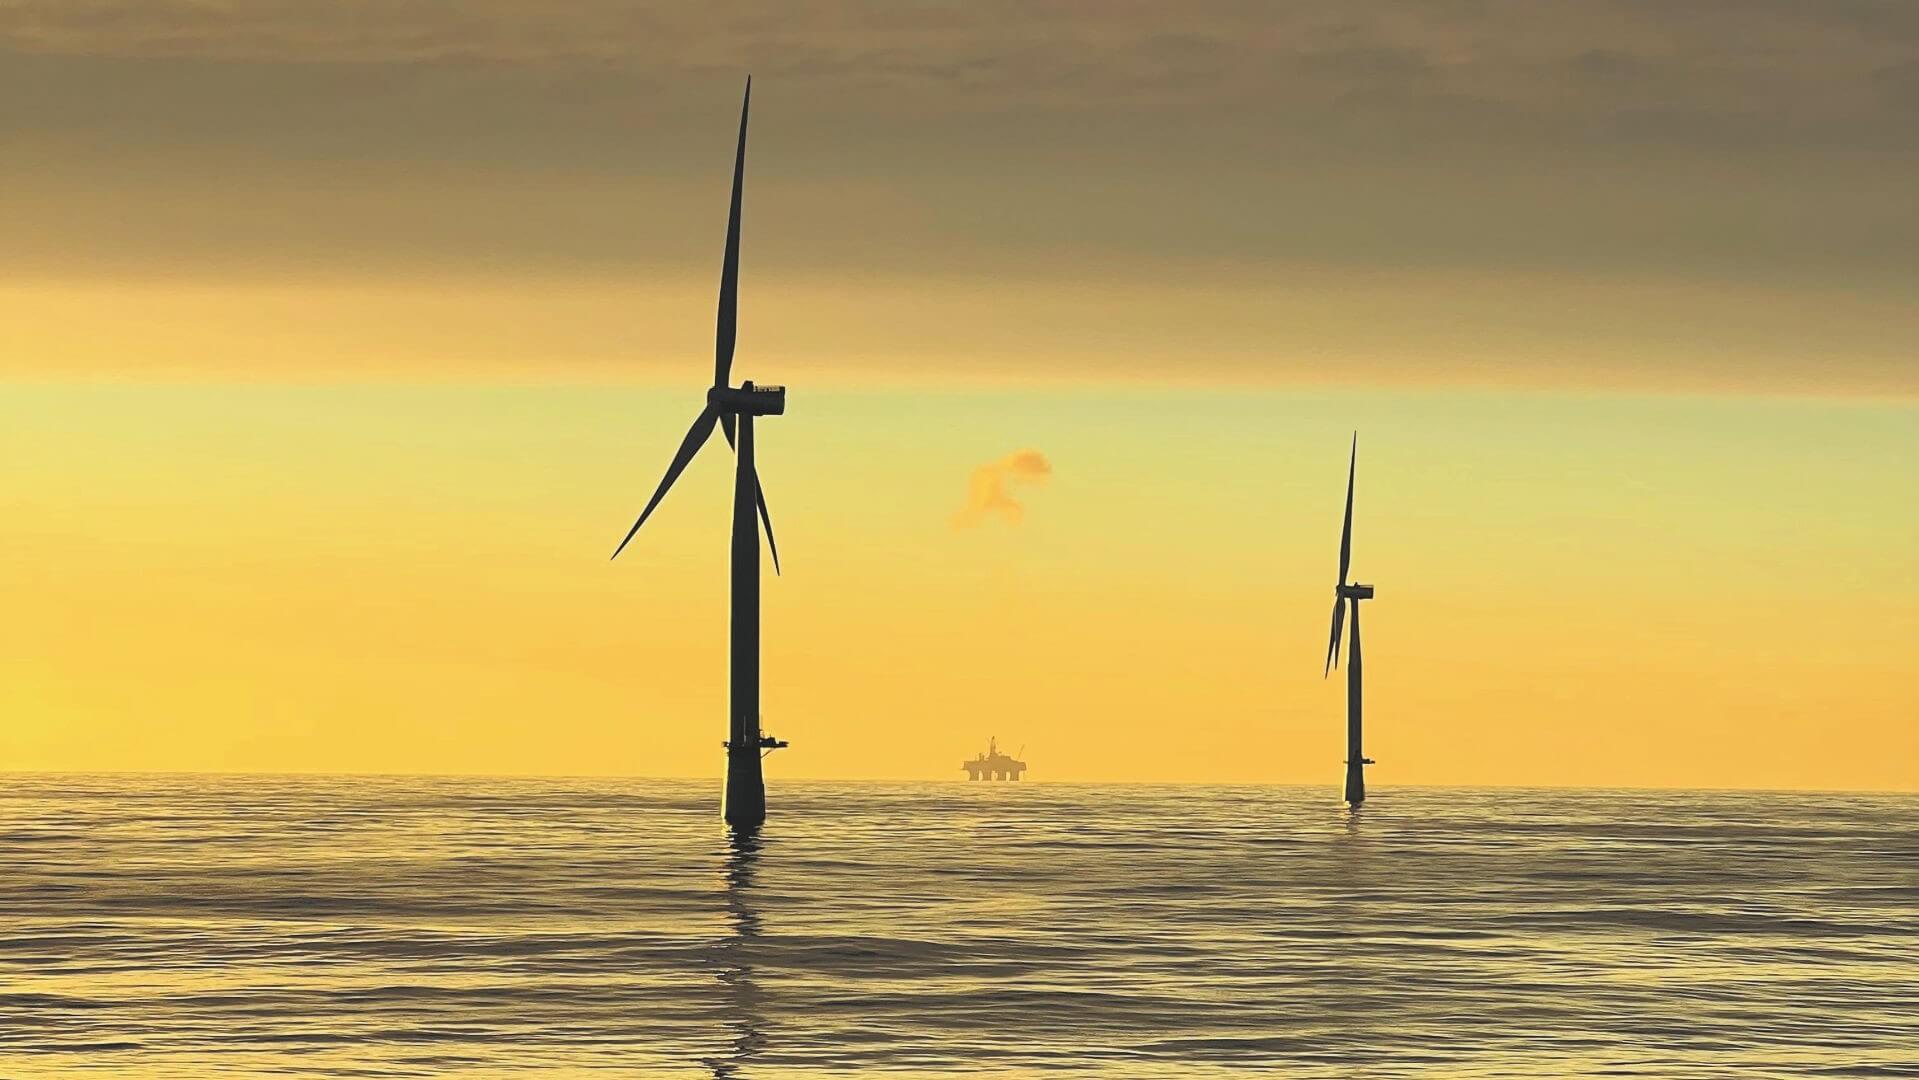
<point x="741" y="1000"/>
<point x="507" y="928"/>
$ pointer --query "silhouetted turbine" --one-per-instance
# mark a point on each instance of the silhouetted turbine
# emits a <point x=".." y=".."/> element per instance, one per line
<point x="734" y="409"/>
<point x="1343" y="595"/>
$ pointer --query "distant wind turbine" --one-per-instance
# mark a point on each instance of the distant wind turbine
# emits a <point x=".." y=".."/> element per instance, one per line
<point x="1344" y="594"/>
<point x="734" y="409"/>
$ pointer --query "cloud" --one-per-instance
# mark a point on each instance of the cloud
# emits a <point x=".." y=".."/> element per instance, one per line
<point x="1802" y="66"/>
<point x="989" y="492"/>
<point x="1660" y="195"/>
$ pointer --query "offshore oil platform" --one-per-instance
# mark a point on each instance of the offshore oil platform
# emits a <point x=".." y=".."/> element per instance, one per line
<point x="993" y="765"/>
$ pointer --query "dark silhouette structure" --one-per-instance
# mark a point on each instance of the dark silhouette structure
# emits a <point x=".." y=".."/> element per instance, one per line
<point x="1344" y="595"/>
<point x="733" y="408"/>
<point x="993" y="765"/>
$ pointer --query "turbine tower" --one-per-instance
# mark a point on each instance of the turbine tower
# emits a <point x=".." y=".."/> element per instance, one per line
<point x="1344" y="594"/>
<point x="733" y="409"/>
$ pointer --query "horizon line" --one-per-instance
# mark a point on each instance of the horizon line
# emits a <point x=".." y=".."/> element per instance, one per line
<point x="625" y="777"/>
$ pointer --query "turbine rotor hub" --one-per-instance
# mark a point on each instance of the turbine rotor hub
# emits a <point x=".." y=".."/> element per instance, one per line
<point x="748" y="400"/>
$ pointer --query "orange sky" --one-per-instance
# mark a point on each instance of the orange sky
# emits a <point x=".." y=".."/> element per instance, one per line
<point x="1594" y="590"/>
<point x="334" y="358"/>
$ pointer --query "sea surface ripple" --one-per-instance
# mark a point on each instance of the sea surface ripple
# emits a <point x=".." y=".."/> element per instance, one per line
<point x="186" y="926"/>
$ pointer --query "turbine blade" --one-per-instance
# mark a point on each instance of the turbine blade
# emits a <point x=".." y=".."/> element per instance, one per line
<point x="1346" y="531"/>
<point x="730" y="271"/>
<point x="696" y="437"/>
<point x="759" y="490"/>
<point x="1332" y="649"/>
<point x="726" y="426"/>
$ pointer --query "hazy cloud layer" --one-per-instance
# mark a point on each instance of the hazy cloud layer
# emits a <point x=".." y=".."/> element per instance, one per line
<point x="1753" y="69"/>
<point x="1745" y="151"/>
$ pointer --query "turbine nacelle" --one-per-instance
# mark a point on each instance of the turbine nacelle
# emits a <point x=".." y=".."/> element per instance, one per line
<point x="1355" y="592"/>
<point x="747" y="400"/>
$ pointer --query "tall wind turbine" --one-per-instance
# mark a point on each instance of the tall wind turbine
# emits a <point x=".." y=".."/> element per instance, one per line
<point x="1344" y="594"/>
<point x="734" y="409"/>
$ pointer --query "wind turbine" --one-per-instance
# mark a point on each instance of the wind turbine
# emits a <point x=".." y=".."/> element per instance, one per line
<point x="1344" y="594"/>
<point x="733" y="408"/>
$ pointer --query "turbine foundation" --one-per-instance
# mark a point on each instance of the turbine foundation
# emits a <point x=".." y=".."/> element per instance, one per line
<point x="744" y="804"/>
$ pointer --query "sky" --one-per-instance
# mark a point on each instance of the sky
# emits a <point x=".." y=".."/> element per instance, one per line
<point x="340" y="342"/>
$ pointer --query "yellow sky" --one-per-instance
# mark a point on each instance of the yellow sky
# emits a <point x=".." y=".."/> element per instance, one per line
<point x="1607" y="590"/>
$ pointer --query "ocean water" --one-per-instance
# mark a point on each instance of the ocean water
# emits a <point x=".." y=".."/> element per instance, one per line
<point x="219" y="926"/>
